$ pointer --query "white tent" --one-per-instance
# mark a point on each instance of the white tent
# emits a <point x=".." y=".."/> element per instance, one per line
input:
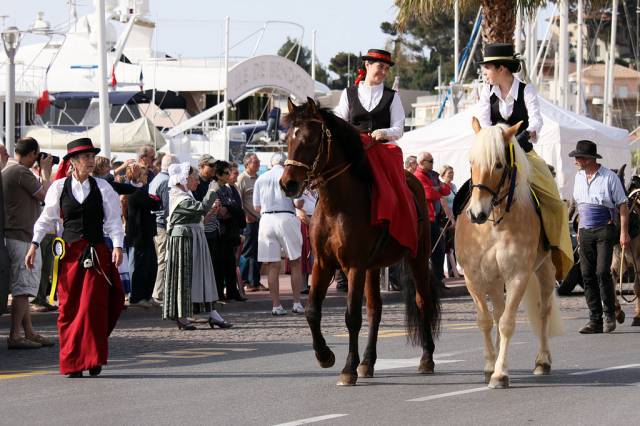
<point x="449" y="141"/>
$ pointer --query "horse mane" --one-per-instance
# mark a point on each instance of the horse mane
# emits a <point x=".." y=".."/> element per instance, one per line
<point x="488" y="150"/>
<point x="345" y="136"/>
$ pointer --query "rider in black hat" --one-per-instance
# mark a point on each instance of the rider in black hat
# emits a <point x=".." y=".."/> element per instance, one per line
<point x="598" y="192"/>
<point x="508" y="100"/>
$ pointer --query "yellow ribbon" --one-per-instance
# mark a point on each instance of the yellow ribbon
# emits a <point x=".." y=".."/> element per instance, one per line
<point x="58" y="253"/>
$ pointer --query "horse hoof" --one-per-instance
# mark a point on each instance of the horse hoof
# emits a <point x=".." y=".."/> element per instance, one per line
<point x="487" y="376"/>
<point x="620" y="316"/>
<point x="635" y="322"/>
<point x="327" y="363"/>
<point x="426" y="367"/>
<point x="347" y="379"/>
<point x="365" y="371"/>
<point x="542" y="369"/>
<point x="499" y="383"/>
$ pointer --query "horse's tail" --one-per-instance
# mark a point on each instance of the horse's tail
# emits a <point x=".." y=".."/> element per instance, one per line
<point x="533" y="305"/>
<point x="420" y="323"/>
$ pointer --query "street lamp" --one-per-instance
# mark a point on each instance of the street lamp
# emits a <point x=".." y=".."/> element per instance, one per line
<point x="11" y="39"/>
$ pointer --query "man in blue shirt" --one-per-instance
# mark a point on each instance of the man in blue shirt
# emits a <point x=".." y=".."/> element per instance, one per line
<point x="597" y="193"/>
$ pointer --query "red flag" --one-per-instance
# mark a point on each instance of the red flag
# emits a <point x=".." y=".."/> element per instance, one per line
<point x="43" y="102"/>
<point x="113" y="77"/>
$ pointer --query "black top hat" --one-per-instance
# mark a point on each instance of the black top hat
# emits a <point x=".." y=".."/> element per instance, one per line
<point x="499" y="52"/>
<point x="80" y="146"/>
<point x="378" y="55"/>
<point x="585" y="148"/>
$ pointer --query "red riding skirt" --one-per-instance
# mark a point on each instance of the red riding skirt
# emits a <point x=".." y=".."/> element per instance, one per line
<point x="392" y="200"/>
<point x="89" y="308"/>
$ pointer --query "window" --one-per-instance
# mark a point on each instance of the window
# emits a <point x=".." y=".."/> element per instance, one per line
<point x="623" y="92"/>
<point x="595" y="90"/>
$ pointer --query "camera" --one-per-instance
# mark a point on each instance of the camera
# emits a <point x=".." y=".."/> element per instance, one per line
<point x="43" y="155"/>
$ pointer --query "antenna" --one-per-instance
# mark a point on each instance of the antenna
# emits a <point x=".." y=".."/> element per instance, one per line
<point x="4" y="18"/>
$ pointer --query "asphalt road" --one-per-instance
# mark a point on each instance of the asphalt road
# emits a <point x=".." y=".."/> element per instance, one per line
<point x="263" y="372"/>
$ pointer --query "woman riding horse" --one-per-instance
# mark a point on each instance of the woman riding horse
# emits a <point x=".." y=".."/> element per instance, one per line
<point x="506" y="99"/>
<point x="326" y="152"/>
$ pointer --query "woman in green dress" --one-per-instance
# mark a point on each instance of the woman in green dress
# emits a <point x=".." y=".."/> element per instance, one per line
<point x="189" y="275"/>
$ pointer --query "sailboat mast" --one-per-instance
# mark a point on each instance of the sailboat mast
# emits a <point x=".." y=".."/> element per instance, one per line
<point x="578" y="106"/>
<point x="608" y="105"/>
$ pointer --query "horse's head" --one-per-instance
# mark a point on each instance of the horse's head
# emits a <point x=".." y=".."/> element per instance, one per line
<point x="305" y="145"/>
<point x="491" y="167"/>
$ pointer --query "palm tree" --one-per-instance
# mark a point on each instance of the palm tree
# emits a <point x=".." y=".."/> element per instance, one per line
<point x="499" y="21"/>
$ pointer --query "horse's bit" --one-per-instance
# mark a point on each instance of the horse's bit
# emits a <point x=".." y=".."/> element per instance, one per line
<point x="312" y="178"/>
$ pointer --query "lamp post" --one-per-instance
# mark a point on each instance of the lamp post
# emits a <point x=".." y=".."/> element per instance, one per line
<point x="11" y="40"/>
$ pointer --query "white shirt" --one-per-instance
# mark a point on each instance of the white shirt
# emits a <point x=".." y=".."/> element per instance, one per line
<point x="267" y="194"/>
<point x="370" y="97"/>
<point x="310" y="199"/>
<point x="505" y="105"/>
<point x="50" y="216"/>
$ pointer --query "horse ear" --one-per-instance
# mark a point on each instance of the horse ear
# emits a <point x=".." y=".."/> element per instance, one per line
<point x="511" y="131"/>
<point x="290" y="105"/>
<point x="475" y="123"/>
<point x="311" y="106"/>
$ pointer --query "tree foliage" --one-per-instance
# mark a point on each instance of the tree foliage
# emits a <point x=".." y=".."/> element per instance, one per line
<point x="301" y="55"/>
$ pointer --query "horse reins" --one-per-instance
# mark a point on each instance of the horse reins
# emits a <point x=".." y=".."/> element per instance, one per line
<point x="312" y="178"/>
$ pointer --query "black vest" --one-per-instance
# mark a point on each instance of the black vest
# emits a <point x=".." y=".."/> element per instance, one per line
<point x="377" y="118"/>
<point x="519" y="113"/>
<point x="82" y="220"/>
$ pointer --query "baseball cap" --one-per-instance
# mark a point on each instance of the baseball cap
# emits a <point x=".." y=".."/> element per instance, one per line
<point x="206" y="160"/>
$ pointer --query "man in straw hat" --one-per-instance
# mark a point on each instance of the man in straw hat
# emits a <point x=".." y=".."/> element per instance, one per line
<point x="598" y="192"/>
<point x="89" y="288"/>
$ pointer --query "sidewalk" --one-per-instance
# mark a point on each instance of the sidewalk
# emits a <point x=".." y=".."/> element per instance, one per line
<point x="261" y="301"/>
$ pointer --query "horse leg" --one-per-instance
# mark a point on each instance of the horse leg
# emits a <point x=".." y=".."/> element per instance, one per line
<point x="353" y="318"/>
<point x="636" y="290"/>
<point x="374" y="313"/>
<point x="419" y="315"/>
<point x="546" y="282"/>
<point x="507" y="325"/>
<point x="485" y="324"/>
<point x="320" y="280"/>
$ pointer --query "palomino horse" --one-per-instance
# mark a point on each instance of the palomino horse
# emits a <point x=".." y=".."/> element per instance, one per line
<point x="326" y="152"/>
<point x="499" y="244"/>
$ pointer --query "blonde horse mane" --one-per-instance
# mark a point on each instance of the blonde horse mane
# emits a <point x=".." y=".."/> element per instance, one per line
<point x="488" y="150"/>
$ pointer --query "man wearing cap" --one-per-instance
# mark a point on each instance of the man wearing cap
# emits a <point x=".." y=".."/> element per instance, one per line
<point x="90" y="293"/>
<point x="598" y="192"/>
<point x="376" y="111"/>
<point x="206" y="172"/>
<point x="507" y="100"/>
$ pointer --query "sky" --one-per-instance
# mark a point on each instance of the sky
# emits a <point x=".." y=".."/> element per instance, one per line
<point x="195" y="28"/>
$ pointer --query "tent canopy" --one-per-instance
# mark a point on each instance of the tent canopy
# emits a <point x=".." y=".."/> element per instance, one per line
<point x="449" y="141"/>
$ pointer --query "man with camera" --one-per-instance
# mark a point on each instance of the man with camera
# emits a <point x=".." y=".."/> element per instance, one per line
<point x="23" y="197"/>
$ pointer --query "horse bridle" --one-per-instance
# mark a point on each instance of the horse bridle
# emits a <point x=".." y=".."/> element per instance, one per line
<point x="496" y="199"/>
<point x="313" y="178"/>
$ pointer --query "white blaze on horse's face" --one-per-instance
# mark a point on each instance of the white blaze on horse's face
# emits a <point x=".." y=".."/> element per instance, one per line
<point x="480" y="204"/>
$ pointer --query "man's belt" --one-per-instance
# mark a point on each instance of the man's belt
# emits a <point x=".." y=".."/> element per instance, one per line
<point x="277" y="211"/>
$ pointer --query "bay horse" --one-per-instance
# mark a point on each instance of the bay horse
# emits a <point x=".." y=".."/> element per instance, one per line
<point x="326" y="152"/>
<point x="503" y="248"/>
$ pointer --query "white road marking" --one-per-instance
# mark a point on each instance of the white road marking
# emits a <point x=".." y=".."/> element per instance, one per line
<point x="600" y="370"/>
<point x="448" y="394"/>
<point x="312" y="420"/>
<point x="389" y="364"/>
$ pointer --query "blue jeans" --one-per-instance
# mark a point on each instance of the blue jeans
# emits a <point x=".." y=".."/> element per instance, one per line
<point x="250" y="268"/>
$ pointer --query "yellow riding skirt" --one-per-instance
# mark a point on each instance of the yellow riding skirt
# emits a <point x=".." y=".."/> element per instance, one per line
<point x="554" y="214"/>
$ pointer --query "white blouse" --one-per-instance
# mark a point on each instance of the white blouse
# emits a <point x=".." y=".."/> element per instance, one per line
<point x="483" y="107"/>
<point x="50" y="216"/>
<point x="370" y="97"/>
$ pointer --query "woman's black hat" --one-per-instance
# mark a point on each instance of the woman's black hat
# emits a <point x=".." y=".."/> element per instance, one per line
<point x="499" y="52"/>
<point x="80" y="146"/>
<point x="585" y="148"/>
<point x="378" y="55"/>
